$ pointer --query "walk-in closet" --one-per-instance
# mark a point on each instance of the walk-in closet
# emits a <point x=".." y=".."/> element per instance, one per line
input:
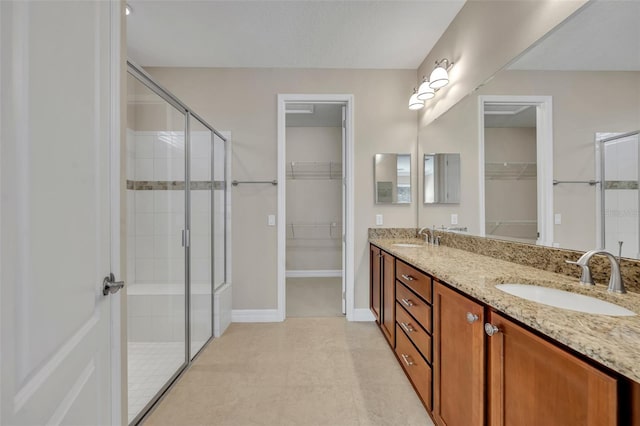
<point x="314" y="210"/>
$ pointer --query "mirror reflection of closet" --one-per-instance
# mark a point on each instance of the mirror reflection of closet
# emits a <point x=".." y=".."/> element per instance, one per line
<point x="510" y="171"/>
<point x="441" y="178"/>
<point x="392" y="178"/>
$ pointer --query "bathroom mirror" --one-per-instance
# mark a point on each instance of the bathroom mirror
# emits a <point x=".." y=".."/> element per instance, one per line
<point x="441" y="178"/>
<point x="392" y="178"/>
<point x="592" y="75"/>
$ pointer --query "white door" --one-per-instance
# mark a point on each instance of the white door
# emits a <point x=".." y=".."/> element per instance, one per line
<point x="55" y="123"/>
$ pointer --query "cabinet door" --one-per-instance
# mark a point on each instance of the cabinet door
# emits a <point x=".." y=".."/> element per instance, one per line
<point x="533" y="382"/>
<point x="459" y="359"/>
<point x="388" y="322"/>
<point x="374" y="280"/>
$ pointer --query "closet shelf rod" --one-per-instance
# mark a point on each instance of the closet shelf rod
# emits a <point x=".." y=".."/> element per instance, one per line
<point x="238" y="182"/>
<point x="590" y="182"/>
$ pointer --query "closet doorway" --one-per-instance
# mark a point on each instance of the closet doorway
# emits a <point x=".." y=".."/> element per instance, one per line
<point x="313" y="209"/>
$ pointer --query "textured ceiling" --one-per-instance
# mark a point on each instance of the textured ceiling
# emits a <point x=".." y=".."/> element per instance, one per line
<point x="286" y="34"/>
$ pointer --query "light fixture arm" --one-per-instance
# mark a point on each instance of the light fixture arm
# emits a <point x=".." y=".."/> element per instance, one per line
<point x="447" y="66"/>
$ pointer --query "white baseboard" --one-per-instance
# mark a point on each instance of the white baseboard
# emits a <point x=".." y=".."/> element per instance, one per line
<point x="317" y="273"/>
<point x="362" y="315"/>
<point x="255" y="315"/>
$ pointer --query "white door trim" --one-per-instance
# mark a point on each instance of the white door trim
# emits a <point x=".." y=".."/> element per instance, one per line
<point x="544" y="160"/>
<point x="348" y="163"/>
<point x="117" y="348"/>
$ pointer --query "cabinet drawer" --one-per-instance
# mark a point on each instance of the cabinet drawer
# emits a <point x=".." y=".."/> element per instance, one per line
<point x="414" y="279"/>
<point x="415" y="366"/>
<point x="417" y="307"/>
<point x="414" y="331"/>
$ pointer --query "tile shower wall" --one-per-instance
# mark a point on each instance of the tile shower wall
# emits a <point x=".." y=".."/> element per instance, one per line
<point x="155" y="256"/>
<point x="621" y="197"/>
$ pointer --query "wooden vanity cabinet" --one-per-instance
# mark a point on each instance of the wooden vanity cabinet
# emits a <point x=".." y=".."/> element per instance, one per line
<point x="472" y="366"/>
<point x="534" y="382"/>
<point x="458" y="359"/>
<point x="414" y="327"/>
<point x="375" y="279"/>
<point x="388" y="316"/>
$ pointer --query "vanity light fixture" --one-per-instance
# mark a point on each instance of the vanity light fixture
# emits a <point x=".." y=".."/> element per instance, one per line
<point x="437" y="80"/>
<point x="127" y="10"/>
<point x="440" y="76"/>
<point x="414" y="102"/>
<point x="425" y="92"/>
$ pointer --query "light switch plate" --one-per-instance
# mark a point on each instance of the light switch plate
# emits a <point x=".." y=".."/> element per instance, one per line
<point x="271" y="220"/>
<point x="379" y="220"/>
<point x="557" y="219"/>
<point x="454" y="219"/>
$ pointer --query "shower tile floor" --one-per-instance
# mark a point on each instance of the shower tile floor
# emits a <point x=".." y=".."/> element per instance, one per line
<point x="150" y="365"/>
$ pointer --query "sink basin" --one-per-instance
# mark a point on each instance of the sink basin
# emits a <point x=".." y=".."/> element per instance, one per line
<point x="408" y="245"/>
<point x="565" y="300"/>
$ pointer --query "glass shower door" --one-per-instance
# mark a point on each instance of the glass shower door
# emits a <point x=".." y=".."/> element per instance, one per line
<point x="156" y="276"/>
<point x="201" y="289"/>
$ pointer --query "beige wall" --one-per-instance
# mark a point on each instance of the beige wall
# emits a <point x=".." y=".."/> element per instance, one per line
<point x="243" y="101"/>
<point x="583" y="103"/>
<point x="484" y="37"/>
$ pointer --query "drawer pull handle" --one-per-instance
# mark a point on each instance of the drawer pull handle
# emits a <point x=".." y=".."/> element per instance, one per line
<point x="406" y="302"/>
<point x="408" y="277"/>
<point x="407" y="327"/>
<point x="471" y="318"/>
<point x="491" y="329"/>
<point x="407" y="360"/>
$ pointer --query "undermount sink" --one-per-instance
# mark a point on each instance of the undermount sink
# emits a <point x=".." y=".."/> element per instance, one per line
<point x="565" y="300"/>
<point x="407" y="245"/>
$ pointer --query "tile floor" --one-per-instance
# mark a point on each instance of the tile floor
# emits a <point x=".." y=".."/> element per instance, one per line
<point x="150" y="366"/>
<point x="304" y="371"/>
<point x="314" y="297"/>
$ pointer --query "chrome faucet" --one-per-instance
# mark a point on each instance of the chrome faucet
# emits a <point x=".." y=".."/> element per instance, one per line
<point x="426" y="234"/>
<point x="615" y="281"/>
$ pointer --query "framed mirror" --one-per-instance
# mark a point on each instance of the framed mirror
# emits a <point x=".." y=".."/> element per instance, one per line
<point x="392" y="178"/>
<point x="441" y="178"/>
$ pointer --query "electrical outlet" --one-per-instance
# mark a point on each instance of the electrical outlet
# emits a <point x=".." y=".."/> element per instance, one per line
<point x="271" y="220"/>
<point x="454" y="219"/>
<point x="379" y="220"/>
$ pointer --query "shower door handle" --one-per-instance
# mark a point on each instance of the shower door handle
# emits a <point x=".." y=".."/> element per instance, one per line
<point x="110" y="285"/>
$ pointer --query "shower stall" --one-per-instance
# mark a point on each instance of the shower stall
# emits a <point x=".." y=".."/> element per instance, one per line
<point x="176" y="236"/>
<point x="618" y="201"/>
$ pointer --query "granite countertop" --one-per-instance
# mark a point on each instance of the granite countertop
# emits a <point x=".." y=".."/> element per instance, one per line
<point x="612" y="341"/>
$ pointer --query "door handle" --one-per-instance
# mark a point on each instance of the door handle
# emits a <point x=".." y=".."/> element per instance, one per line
<point x="110" y="285"/>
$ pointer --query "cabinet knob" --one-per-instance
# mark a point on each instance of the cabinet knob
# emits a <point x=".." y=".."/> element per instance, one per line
<point x="471" y="318"/>
<point x="407" y="277"/>
<point x="491" y="329"/>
